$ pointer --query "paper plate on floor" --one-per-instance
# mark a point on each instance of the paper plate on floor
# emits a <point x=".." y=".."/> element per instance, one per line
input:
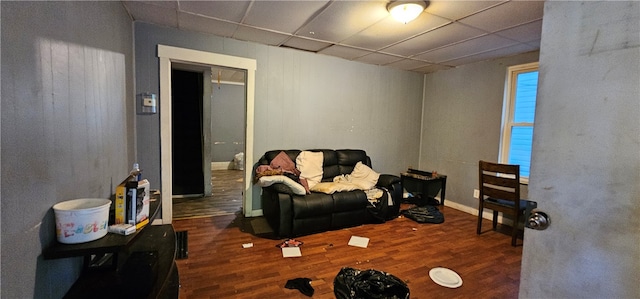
<point x="445" y="277"/>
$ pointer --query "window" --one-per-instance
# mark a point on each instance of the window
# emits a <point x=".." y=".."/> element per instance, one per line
<point x="517" y="117"/>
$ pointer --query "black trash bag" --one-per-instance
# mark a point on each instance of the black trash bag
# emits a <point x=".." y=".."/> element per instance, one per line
<point x="426" y="214"/>
<point x="368" y="284"/>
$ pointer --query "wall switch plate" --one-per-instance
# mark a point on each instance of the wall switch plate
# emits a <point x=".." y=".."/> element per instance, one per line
<point x="476" y="193"/>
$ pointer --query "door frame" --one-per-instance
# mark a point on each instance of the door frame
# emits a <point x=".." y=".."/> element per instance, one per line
<point x="167" y="55"/>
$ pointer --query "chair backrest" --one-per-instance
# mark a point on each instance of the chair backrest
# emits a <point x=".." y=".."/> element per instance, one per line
<point x="500" y="181"/>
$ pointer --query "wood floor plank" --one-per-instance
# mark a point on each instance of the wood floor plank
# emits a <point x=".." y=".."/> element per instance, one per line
<point x="218" y="266"/>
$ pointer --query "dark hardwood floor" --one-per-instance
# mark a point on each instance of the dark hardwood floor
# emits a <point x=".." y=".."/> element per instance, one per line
<point x="218" y="267"/>
<point x="225" y="198"/>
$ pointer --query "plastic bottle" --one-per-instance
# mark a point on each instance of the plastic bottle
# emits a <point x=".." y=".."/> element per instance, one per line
<point x="135" y="172"/>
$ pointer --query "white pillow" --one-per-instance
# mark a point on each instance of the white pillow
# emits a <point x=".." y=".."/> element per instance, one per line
<point x="310" y="166"/>
<point x="333" y="187"/>
<point x="268" y="180"/>
<point x="363" y="176"/>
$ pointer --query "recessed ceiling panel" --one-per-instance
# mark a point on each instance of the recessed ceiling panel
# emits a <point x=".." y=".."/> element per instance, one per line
<point x="506" y="15"/>
<point x="259" y="36"/>
<point x="390" y="31"/>
<point x="378" y="58"/>
<point x="228" y="10"/>
<point x="454" y="10"/>
<point x="446" y="35"/>
<point x="151" y="13"/>
<point x="305" y="44"/>
<point x="468" y="48"/>
<point x="342" y="19"/>
<point x="283" y="16"/>
<point x="408" y="64"/>
<point x="523" y="33"/>
<point x="506" y="51"/>
<point x="344" y="52"/>
<point x="197" y="23"/>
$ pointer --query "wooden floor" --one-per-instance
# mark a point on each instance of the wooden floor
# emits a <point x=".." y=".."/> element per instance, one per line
<point x="218" y="267"/>
<point x="225" y="198"/>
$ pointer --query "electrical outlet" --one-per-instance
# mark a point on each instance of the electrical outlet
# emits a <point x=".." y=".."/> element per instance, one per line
<point x="476" y="193"/>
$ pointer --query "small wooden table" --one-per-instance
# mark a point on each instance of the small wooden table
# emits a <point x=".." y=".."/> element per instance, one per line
<point x="425" y="183"/>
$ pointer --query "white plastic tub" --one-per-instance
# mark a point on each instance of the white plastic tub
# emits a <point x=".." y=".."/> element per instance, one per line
<point x="81" y="220"/>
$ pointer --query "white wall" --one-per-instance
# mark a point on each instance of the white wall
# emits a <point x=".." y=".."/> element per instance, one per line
<point x="227" y="121"/>
<point x="586" y="154"/>
<point x="302" y="100"/>
<point x="462" y="117"/>
<point x="67" y="128"/>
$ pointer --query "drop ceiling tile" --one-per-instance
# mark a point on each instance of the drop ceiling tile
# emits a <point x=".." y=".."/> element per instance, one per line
<point x="306" y="44"/>
<point x="503" y="52"/>
<point x="260" y="36"/>
<point x="342" y="19"/>
<point x="442" y="36"/>
<point x="524" y="33"/>
<point x="467" y="48"/>
<point x="151" y="13"/>
<point x="390" y="31"/>
<point x="344" y="52"/>
<point x="167" y="4"/>
<point x="197" y="23"/>
<point x="432" y="68"/>
<point x="378" y="58"/>
<point x="454" y="10"/>
<point x="228" y="10"/>
<point x="408" y="64"/>
<point x="283" y="16"/>
<point x="506" y="15"/>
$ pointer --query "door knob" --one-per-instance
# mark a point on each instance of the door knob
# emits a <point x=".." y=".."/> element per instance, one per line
<point x="538" y="221"/>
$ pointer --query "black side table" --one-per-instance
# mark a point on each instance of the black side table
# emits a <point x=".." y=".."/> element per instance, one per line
<point x="425" y="183"/>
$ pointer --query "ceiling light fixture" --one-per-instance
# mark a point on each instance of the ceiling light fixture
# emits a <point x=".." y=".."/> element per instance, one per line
<point x="406" y="11"/>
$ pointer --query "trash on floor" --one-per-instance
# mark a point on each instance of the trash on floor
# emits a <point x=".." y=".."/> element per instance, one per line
<point x="290" y="243"/>
<point x="247" y="245"/>
<point x="291" y="252"/>
<point x="445" y="277"/>
<point x="359" y="241"/>
<point x="352" y="283"/>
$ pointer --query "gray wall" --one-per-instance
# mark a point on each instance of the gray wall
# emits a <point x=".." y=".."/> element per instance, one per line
<point x="586" y="154"/>
<point x="302" y="100"/>
<point x="227" y="121"/>
<point x="67" y="128"/>
<point x="462" y="118"/>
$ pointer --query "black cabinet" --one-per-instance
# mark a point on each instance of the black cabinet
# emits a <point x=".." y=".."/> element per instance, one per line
<point x="140" y="265"/>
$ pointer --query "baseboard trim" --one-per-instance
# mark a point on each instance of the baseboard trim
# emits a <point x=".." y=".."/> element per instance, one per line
<point x="221" y="165"/>
<point x="473" y="211"/>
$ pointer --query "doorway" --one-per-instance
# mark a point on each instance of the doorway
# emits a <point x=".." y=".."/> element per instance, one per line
<point x="187" y="133"/>
<point x="168" y="56"/>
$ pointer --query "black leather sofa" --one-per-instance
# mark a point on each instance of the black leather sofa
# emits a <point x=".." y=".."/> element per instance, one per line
<point x="291" y="215"/>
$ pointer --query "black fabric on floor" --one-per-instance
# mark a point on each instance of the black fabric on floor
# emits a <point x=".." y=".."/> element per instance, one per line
<point x="426" y="214"/>
<point x="302" y="284"/>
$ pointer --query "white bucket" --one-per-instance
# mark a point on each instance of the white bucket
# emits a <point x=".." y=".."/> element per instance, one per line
<point x="81" y="220"/>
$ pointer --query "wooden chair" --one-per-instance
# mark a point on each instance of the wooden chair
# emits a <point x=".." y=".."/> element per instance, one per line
<point x="500" y="192"/>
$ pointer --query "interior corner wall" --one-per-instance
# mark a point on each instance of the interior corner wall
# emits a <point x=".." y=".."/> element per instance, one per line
<point x="462" y="114"/>
<point x="585" y="170"/>
<point x="67" y="128"/>
<point x="302" y="101"/>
